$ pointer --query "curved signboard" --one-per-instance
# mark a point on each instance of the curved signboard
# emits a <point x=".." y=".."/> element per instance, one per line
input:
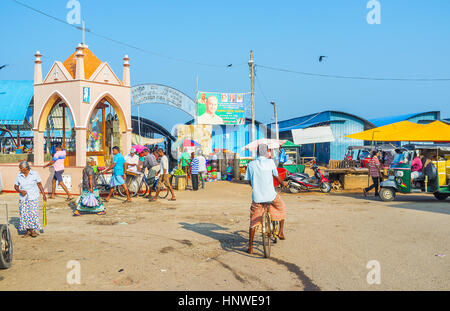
<point x="162" y="94"/>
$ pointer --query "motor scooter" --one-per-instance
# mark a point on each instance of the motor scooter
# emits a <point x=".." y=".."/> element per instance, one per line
<point x="297" y="182"/>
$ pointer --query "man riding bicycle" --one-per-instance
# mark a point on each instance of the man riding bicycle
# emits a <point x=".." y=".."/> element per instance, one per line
<point x="259" y="174"/>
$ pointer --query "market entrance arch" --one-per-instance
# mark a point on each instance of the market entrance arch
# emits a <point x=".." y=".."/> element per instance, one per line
<point x="147" y="94"/>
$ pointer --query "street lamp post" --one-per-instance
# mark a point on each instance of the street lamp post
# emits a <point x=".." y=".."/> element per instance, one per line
<point x="251" y="65"/>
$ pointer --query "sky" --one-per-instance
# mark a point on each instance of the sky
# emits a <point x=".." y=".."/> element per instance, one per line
<point x="411" y="41"/>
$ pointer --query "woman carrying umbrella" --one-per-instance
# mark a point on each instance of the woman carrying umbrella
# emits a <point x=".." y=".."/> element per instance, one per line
<point x="28" y="183"/>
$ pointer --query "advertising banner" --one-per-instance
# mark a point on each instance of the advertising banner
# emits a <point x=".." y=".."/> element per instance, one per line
<point x="221" y="108"/>
<point x="312" y="135"/>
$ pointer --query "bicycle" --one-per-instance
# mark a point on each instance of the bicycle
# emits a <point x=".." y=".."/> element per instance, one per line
<point x="103" y="186"/>
<point x="270" y="229"/>
<point x="132" y="185"/>
<point x="145" y="182"/>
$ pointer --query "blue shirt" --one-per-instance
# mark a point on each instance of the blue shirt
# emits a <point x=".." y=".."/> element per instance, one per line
<point x="195" y="165"/>
<point x="29" y="184"/>
<point x="118" y="168"/>
<point x="260" y="172"/>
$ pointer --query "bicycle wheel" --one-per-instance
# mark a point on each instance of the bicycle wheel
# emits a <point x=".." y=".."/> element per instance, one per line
<point x="133" y="188"/>
<point x="164" y="192"/>
<point x="143" y="188"/>
<point x="121" y="191"/>
<point x="266" y="234"/>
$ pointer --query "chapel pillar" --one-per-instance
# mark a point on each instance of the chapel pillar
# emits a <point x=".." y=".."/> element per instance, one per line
<point x="80" y="147"/>
<point x="38" y="148"/>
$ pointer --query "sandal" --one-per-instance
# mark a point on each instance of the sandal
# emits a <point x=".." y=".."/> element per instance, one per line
<point x="69" y="199"/>
<point x="172" y="199"/>
<point x="76" y="213"/>
<point x="34" y="234"/>
<point x="26" y="235"/>
<point x="101" y="213"/>
<point x="126" y="201"/>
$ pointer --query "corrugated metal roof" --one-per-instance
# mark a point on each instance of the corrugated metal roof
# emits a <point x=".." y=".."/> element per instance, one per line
<point x="315" y="119"/>
<point x="15" y="97"/>
<point x="394" y="119"/>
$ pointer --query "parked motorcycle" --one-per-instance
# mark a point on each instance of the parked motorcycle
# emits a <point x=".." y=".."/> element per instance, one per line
<point x="297" y="182"/>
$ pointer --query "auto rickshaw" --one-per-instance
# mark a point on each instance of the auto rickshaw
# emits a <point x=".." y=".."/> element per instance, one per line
<point x="435" y="179"/>
<point x="359" y="156"/>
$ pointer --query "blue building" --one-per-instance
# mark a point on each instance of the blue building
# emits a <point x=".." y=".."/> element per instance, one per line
<point x="341" y="124"/>
<point x="422" y="117"/>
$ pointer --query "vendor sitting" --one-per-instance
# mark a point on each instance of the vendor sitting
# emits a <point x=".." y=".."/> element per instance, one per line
<point x="416" y="167"/>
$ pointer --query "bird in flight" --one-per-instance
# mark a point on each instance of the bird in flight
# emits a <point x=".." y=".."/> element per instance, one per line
<point x="321" y="57"/>
<point x="230" y="65"/>
<point x="1" y="67"/>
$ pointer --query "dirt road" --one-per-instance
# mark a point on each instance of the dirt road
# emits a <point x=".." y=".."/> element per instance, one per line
<point x="199" y="242"/>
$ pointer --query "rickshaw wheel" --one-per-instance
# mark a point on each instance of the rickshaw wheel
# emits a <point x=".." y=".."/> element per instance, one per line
<point x="387" y="194"/>
<point x="6" y="248"/>
<point x="440" y="196"/>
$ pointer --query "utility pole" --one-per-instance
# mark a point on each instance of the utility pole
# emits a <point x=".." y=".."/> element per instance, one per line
<point x="83" y="27"/>
<point x="276" y="120"/>
<point x="251" y="64"/>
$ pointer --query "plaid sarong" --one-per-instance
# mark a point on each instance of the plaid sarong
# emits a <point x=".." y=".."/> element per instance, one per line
<point x="277" y="211"/>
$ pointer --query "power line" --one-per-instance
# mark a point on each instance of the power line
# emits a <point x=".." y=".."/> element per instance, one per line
<point x="355" y="77"/>
<point x="124" y="43"/>
<point x="260" y="88"/>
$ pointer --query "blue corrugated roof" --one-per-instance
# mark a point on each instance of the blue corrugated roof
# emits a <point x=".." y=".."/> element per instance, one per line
<point x="23" y="134"/>
<point x="15" y="97"/>
<point x="394" y="119"/>
<point x="315" y="119"/>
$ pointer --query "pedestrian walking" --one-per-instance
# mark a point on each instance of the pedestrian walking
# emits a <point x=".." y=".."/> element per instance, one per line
<point x="374" y="172"/>
<point x="89" y="201"/>
<point x="201" y="167"/>
<point x="58" y="164"/>
<point x="194" y="172"/>
<point x="28" y="184"/>
<point x="153" y="167"/>
<point x="118" y="178"/>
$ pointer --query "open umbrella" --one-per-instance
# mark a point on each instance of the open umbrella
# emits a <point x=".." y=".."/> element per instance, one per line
<point x="190" y="143"/>
<point x="139" y="148"/>
<point x="271" y="144"/>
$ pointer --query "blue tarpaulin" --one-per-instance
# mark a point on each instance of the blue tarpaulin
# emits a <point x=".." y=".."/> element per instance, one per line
<point x="15" y="98"/>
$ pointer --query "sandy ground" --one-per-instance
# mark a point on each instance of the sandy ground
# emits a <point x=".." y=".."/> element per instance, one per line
<point x="198" y="243"/>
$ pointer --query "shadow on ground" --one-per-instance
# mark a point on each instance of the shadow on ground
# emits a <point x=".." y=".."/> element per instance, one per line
<point x="229" y="241"/>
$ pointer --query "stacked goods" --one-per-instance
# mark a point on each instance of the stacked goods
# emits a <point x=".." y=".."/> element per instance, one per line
<point x="229" y="173"/>
<point x="181" y="183"/>
<point x="180" y="179"/>
<point x="211" y="173"/>
<point x="179" y="172"/>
